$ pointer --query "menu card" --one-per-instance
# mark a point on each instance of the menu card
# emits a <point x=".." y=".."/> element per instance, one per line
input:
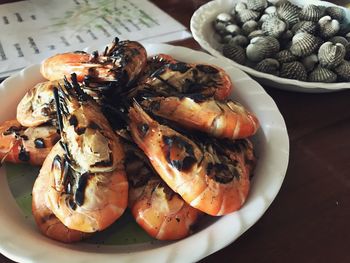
<point x="36" y="29"/>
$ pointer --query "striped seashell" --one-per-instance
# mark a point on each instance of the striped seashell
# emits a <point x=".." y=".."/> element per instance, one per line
<point x="285" y="56"/>
<point x="221" y="21"/>
<point x="293" y="70"/>
<point x="310" y="62"/>
<point x="311" y="13"/>
<point x="256" y="33"/>
<point x="331" y="55"/>
<point x="224" y="18"/>
<point x="289" y="13"/>
<point x="249" y="27"/>
<point x="246" y="15"/>
<point x="321" y="74"/>
<point x="339" y="39"/>
<point x="343" y="71"/>
<point x="234" y="52"/>
<point x="328" y="27"/>
<point x="225" y="39"/>
<point x="239" y="40"/>
<point x="239" y="7"/>
<point x="271" y="10"/>
<point x="219" y="27"/>
<point x="335" y="12"/>
<point x="263" y="18"/>
<point x="232" y="30"/>
<point x="305" y="26"/>
<point x="268" y="65"/>
<point x="304" y="44"/>
<point x="344" y="42"/>
<point x="262" y="47"/>
<point x="273" y="26"/>
<point x="257" y="5"/>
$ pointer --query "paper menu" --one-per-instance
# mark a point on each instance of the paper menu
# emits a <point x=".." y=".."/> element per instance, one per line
<point x="36" y="29"/>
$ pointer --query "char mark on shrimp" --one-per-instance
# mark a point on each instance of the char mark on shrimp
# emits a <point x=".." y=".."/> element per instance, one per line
<point x="221" y="173"/>
<point x="179" y="153"/>
<point x="23" y="155"/>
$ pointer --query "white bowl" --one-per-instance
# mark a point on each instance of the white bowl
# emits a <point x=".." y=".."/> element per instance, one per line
<point x="21" y="241"/>
<point x="204" y="33"/>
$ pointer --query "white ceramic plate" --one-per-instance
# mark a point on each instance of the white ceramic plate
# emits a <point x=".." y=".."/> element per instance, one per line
<point x="21" y="241"/>
<point x="204" y="34"/>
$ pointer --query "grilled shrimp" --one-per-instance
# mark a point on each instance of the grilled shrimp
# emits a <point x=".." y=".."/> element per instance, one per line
<point x="31" y="145"/>
<point x="213" y="178"/>
<point x="193" y="80"/>
<point x="155" y="62"/>
<point x="88" y="186"/>
<point x="221" y="119"/>
<point x="162" y="213"/>
<point x="45" y="219"/>
<point x="118" y="67"/>
<point x="37" y="105"/>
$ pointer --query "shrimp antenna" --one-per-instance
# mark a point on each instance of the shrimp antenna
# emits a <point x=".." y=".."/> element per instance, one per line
<point x="82" y="96"/>
<point x="110" y="49"/>
<point x="59" y="118"/>
<point x="58" y="109"/>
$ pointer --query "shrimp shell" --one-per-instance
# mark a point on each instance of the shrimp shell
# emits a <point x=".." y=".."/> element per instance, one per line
<point x="88" y="186"/>
<point x="199" y="80"/>
<point x="20" y="144"/>
<point x="221" y="119"/>
<point x="86" y="202"/>
<point x="214" y="181"/>
<point x="45" y="219"/>
<point x="162" y="213"/>
<point x="37" y="106"/>
<point x="119" y="66"/>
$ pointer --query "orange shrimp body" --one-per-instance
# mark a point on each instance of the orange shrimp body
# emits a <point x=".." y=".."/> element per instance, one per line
<point x="221" y="119"/>
<point x="37" y="106"/>
<point x="31" y="145"/>
<point x="88" y="186"/>
<point x="45" y="219"/>
<point x="60" y="65"/>
<point x="120" y="64"/>
<point x="211" y="178"/>
<point x="190" y="79"/>
<point x="162" y="213"/>
<point x="87" y="202"/>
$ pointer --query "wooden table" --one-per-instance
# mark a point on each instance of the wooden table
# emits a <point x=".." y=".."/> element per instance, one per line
<point x="309" y="219"/>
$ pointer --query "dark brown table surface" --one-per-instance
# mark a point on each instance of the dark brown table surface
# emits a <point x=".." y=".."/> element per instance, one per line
<point x="309" y="219"/>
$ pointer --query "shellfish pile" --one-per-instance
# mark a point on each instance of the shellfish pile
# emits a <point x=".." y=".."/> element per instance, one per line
<point x="309" y="43"/>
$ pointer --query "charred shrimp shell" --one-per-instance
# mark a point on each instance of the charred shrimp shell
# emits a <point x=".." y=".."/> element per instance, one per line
<point x="162" y="213"/>
<point x="189" y="79"/>
<point x="214" y="181"/>
<point x="222" y="119"/>
<point x="88" y="184"/>
<point x="117" y="68"/>
<point x="30" y="145"/>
